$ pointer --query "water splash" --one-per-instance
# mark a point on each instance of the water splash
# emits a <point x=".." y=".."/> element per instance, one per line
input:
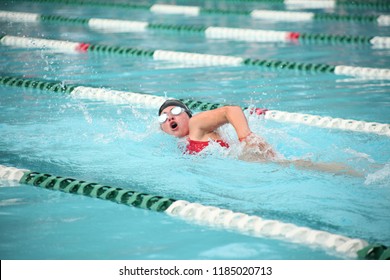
<point x="126" y="128"/>
<point x="83" y="108"/>
<point x="359" y="155"/>
<point x="382" y="176"/>
<point x="11" y="202"/>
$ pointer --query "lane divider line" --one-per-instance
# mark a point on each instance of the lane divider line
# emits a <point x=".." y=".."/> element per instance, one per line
<point x="200" y="214"/>
<point x="323" y="4"/>
<point x="195" y="58"/>
<point x="152" y="101"/>
<point x="380" y="20"/>
<point x="211" y="32"/>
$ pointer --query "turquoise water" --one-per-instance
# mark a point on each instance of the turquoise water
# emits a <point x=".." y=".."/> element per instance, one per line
<point x="121" y="145"/>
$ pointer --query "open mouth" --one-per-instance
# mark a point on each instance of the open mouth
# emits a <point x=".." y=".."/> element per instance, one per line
<point x="173" y="125"/>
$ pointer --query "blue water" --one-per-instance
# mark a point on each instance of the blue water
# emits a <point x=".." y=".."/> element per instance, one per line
<point x="121" y="145"/>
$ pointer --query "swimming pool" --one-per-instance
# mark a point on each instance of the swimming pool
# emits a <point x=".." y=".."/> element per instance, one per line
<point x="120" y="144"/>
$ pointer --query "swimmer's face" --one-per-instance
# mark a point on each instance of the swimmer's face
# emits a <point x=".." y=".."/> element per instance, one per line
<point x="176" y="125"/>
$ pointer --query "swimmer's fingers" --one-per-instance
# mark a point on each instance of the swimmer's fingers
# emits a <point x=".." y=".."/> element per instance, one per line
<point x="258" y="144"/>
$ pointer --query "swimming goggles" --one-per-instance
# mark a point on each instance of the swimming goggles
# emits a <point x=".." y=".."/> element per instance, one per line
<point x="175" y="111"/>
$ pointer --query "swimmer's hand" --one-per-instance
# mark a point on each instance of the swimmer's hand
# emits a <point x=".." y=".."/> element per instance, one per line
<point x="256" y="148"/>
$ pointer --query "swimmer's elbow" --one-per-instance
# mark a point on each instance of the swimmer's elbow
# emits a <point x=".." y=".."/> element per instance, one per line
<point x="232" y="110"/>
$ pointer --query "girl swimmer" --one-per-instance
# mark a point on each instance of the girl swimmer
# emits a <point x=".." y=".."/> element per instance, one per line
<point x="176" y="119"/>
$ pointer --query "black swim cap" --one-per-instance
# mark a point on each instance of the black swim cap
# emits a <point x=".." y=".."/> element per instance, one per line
<point x="174" y="102"/>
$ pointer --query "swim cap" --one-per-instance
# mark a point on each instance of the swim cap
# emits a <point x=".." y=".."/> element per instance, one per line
<point x="175" y="102"/>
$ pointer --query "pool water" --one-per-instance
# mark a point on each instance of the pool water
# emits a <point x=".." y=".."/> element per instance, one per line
<point x="122" y="145"/>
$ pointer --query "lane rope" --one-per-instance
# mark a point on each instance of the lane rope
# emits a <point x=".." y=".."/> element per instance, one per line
<point x="323" y="4"/>
<point x="381" y="20"/>
<point x="211" y="32"/>
<point x="205" y="215"/>
<point x="152" y="101"/>
<point x="195" y="58"/>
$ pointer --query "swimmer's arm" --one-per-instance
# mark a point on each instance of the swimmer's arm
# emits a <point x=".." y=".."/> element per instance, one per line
<point x="328" y="167"/>
<point x="206" y="122"/>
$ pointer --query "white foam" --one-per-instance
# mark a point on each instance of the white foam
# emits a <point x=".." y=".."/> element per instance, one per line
<point x="11" y="202"/>
<point x="359" y="155"/>
<point x="380" y="176"/>
<point x="232" y="250"/>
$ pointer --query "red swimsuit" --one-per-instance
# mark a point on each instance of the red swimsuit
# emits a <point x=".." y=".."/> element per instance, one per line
<point x="194" y="146"/>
